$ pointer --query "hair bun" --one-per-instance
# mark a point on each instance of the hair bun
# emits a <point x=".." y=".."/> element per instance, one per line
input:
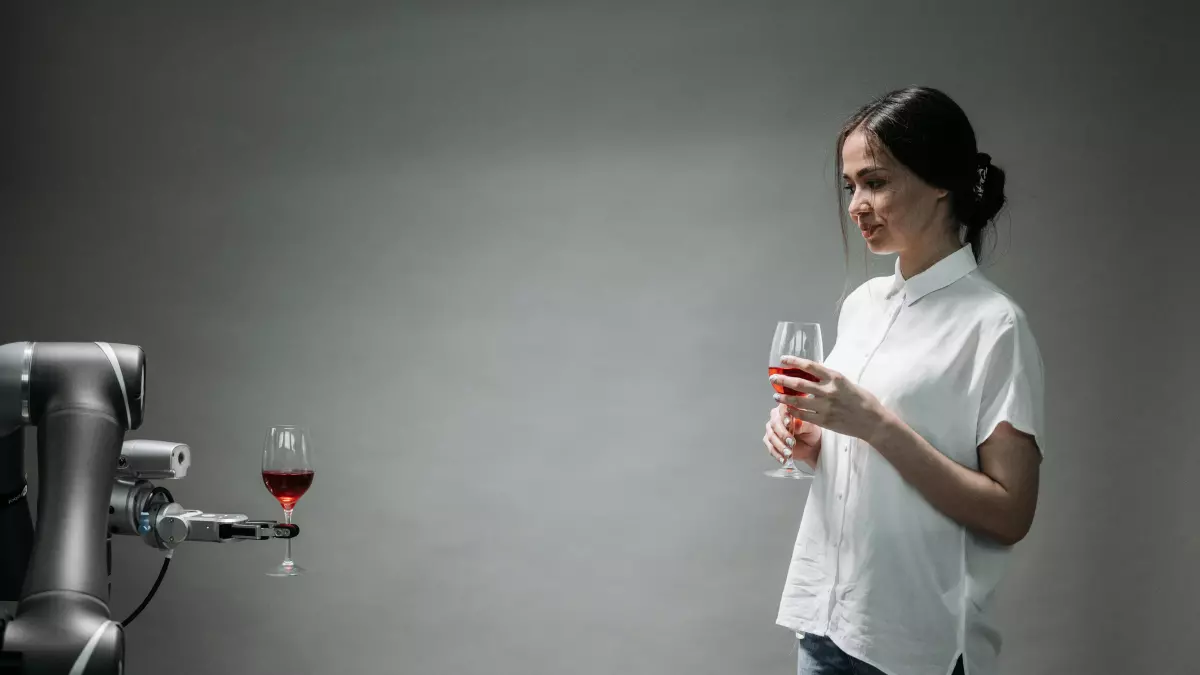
<point x="990" y="191"/>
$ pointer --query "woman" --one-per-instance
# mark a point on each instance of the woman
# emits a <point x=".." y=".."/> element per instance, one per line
<point x="924" y="423"/>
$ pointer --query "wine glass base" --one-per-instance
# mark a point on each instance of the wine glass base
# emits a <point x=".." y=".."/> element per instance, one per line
<point x="784" y="472"/>
<point x="286" y="570"/>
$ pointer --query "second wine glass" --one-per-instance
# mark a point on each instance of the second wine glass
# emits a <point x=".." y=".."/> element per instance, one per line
<point x="287" y="471"/>
<point x="802" y="340"/>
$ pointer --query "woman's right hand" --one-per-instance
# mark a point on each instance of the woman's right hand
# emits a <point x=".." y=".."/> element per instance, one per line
<point x="803" y="446"/>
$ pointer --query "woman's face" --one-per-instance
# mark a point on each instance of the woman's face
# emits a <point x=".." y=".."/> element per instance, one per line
<point x="894" y="209"/>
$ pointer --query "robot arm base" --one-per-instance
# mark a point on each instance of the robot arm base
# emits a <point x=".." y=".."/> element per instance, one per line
<point x="63" y="631"/>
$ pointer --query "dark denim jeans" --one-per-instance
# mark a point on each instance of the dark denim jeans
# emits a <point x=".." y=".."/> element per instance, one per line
<point x="818" y="655"/>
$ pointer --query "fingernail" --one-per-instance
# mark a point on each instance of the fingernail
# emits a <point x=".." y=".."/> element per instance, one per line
<point x="778" y="397"/>
<point x="787" y="453"/>
<point x="787" y="420"/>
<point x="775" y="378"/>
<point x="790" y="441"/>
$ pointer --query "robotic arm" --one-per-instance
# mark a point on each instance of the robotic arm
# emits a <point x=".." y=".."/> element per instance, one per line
<point x="83" y="398"/>
<point x="139" y="508"/>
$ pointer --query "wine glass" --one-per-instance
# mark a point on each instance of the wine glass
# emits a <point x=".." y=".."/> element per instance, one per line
<point x="287" y="471"/>
<point x="802" y="340"/>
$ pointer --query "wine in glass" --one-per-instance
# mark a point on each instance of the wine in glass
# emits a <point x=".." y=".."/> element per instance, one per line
<point x="287" y="471"/>
<point x="802" y="340"/>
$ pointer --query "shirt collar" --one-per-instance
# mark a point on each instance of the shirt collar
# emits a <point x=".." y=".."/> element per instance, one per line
<point x="943" y="273"/>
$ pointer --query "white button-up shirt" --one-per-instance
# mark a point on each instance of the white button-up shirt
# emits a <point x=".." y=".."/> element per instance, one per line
<point x="890" y="579"/>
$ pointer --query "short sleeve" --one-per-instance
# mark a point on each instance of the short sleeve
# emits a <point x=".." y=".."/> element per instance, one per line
<point x="1013" y="383"/>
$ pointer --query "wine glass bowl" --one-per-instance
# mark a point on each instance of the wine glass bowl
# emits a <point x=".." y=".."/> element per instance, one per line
<point x="802" y="340"/>
<point x="287" y="486"/>
<point x="287" y="473"/>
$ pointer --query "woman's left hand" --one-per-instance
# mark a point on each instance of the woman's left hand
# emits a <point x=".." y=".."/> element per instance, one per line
<point x="835" y="403"/>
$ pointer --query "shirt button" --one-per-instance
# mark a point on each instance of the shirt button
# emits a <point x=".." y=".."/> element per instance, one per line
<point x="839" y="496"/>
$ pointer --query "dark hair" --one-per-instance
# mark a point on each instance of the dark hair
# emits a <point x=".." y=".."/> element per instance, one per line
<point x="926" y="131"/>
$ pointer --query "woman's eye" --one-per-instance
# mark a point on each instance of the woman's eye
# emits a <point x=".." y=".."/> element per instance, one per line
<point x="876" y="184"/>
<point x="848" y="188"/>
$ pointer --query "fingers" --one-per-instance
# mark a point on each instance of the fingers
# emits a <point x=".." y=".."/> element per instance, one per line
<point x="795" y="385"/>
<point x="822" y="373"/>
<point x="781" y="421"/>
<point x="777" y="438"/>
<point x="776" y="446"/>
<point x="796" y="406"/>
<point x="801" y="416"/>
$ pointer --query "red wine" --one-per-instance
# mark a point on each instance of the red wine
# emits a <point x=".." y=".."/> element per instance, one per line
<point x="790" y="372"/>
<point x="287" y="486"/>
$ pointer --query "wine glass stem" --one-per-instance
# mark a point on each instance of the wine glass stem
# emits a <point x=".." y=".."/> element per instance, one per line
<point x="789" y="465"/>
<point x="287" y="518"/>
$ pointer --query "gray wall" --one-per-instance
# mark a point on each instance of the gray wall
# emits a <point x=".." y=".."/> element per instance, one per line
<point x="518" y="267"/>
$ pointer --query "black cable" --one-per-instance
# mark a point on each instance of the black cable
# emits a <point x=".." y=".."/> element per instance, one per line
<point x="160" y="490"/>
<point x="161" y="572"/>
<point x="11" y="498"/>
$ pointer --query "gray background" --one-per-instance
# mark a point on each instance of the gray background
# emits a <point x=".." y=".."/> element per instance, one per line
<point x="517" y="266"/>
